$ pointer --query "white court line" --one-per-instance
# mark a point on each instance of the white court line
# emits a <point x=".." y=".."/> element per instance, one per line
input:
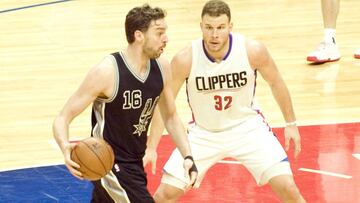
<point x="325" y="173"/>
<point x="229" y="162"/>
<point x="32" y="166"/>
<point x="50" y="196"/>
<point x="357" y="156"/>
<point x="312" y="123"/>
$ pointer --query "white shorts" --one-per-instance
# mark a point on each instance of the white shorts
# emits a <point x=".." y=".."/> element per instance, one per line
<point x="252" y="143"/>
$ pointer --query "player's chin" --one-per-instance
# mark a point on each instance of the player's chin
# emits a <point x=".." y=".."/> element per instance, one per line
<point x="214" y="47"/>
<point x="158" y="54"/>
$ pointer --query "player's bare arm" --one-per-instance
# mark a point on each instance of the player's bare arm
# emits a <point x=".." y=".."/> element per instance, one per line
<point x="261" y="60"/>
<point x="169" y="114"/>
<point x="98" y="83"/>
<point x="172" y="121"/>
<point x="180" y="70"/>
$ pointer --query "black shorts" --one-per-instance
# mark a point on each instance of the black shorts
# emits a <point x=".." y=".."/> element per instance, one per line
<point x="130" y="183"/>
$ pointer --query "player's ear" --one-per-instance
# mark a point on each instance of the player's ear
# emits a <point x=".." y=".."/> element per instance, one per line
<point x="138" y="35"/>
<point x="230" y="26"/>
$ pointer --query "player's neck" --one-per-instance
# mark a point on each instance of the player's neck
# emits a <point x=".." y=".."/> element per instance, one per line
<point x="136" y="60"/>
<point x="218" y="55"/>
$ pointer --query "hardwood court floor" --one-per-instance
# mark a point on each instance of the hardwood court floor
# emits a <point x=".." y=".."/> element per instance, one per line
<point x="45" y="52"/>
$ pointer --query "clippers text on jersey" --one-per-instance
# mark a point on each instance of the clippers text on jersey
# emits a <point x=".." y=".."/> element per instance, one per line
<point x="219" y="82"/>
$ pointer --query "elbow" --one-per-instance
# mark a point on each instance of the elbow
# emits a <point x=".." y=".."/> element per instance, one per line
<point x="59" y="122"/>
<point x="55" y="126"/>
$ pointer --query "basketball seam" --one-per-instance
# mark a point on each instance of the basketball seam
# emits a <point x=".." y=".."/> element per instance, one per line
<point x="82" y="164"/>
<point x="101" y="161"/>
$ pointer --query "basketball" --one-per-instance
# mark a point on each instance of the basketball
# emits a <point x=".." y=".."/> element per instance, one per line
<point x="95" y="157"/>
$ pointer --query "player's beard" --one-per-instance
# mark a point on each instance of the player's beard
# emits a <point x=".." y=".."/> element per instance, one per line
<point x="153" y="53"/>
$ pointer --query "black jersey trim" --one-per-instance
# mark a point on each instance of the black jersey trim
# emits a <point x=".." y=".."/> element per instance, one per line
<point x="161" y="70"/>
<point x="99" y="113"/>
<point x="143" y="80"/>
<point x="116" y="83"/>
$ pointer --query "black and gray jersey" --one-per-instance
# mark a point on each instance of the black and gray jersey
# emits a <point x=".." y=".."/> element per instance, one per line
<point x="123" y="119"/>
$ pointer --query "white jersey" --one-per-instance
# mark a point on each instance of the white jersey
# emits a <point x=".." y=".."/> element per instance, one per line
<point x="221" y="95"/>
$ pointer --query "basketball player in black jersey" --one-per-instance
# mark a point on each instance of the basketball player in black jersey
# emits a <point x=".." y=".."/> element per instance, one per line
<point x="124" y="89"/>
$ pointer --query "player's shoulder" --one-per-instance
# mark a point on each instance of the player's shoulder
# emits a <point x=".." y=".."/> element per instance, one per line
<point x="257" y="53"/>
<point x="254" y="45"/>
<point x="251" y="44"/>
<point x="184" y="56"/>
<point x="105" y="67"/>
<point x="164" y="62"/>
<point x="100" y="78"/>
<point x="255" y="49"/>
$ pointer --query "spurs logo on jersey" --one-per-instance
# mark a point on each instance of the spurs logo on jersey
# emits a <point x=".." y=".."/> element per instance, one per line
<point x="133" y="100"/>
<point x="219" y="82"/>
<point x="145" y="116"/>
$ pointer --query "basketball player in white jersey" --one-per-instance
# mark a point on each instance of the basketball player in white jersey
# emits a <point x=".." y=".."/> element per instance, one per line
<point x="220" y="72"/>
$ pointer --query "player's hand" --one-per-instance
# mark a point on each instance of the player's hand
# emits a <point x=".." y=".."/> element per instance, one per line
<point x="72" y="166"/>
<point x="150" y="157"/>
<point x="191" y="171"/>
<point x="292" y="133"/>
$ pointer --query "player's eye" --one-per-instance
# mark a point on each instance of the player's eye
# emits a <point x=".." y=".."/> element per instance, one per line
<point x="160" y="33"/>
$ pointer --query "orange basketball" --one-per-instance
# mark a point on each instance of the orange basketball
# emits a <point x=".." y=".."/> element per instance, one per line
<point x="95" y="157"/>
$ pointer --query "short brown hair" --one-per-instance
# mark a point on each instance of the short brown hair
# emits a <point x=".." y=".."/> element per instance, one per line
<point x="216" y="8"/>
<point x="139" y="18"/>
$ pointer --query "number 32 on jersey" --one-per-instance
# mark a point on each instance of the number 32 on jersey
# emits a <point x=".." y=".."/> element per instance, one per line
<point x="222" y="102"/>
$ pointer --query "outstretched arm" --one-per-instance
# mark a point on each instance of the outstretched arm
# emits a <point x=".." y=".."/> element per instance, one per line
<point x="261" y="60"/>
<point x="179" y="71"/>
<point x="173" y="80"/>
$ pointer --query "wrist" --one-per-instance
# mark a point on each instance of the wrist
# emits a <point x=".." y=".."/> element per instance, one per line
<point x="293" y="123"/>
<point x="151" y="149"/>
<point x="63" y="146"/>
<point x="189" y="157"/>
<point x="151" y="144"/>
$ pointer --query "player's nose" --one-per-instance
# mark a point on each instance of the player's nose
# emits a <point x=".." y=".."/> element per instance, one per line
<point x="214" y="33"/>
<point x="165" y="39"/>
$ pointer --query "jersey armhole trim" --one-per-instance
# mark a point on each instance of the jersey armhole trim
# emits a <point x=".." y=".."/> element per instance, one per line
<point x="116" y="82"/>
<point x="161" y="71"/>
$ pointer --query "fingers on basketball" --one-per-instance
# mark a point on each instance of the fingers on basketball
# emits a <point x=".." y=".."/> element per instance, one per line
<point x="95" y="157"/>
